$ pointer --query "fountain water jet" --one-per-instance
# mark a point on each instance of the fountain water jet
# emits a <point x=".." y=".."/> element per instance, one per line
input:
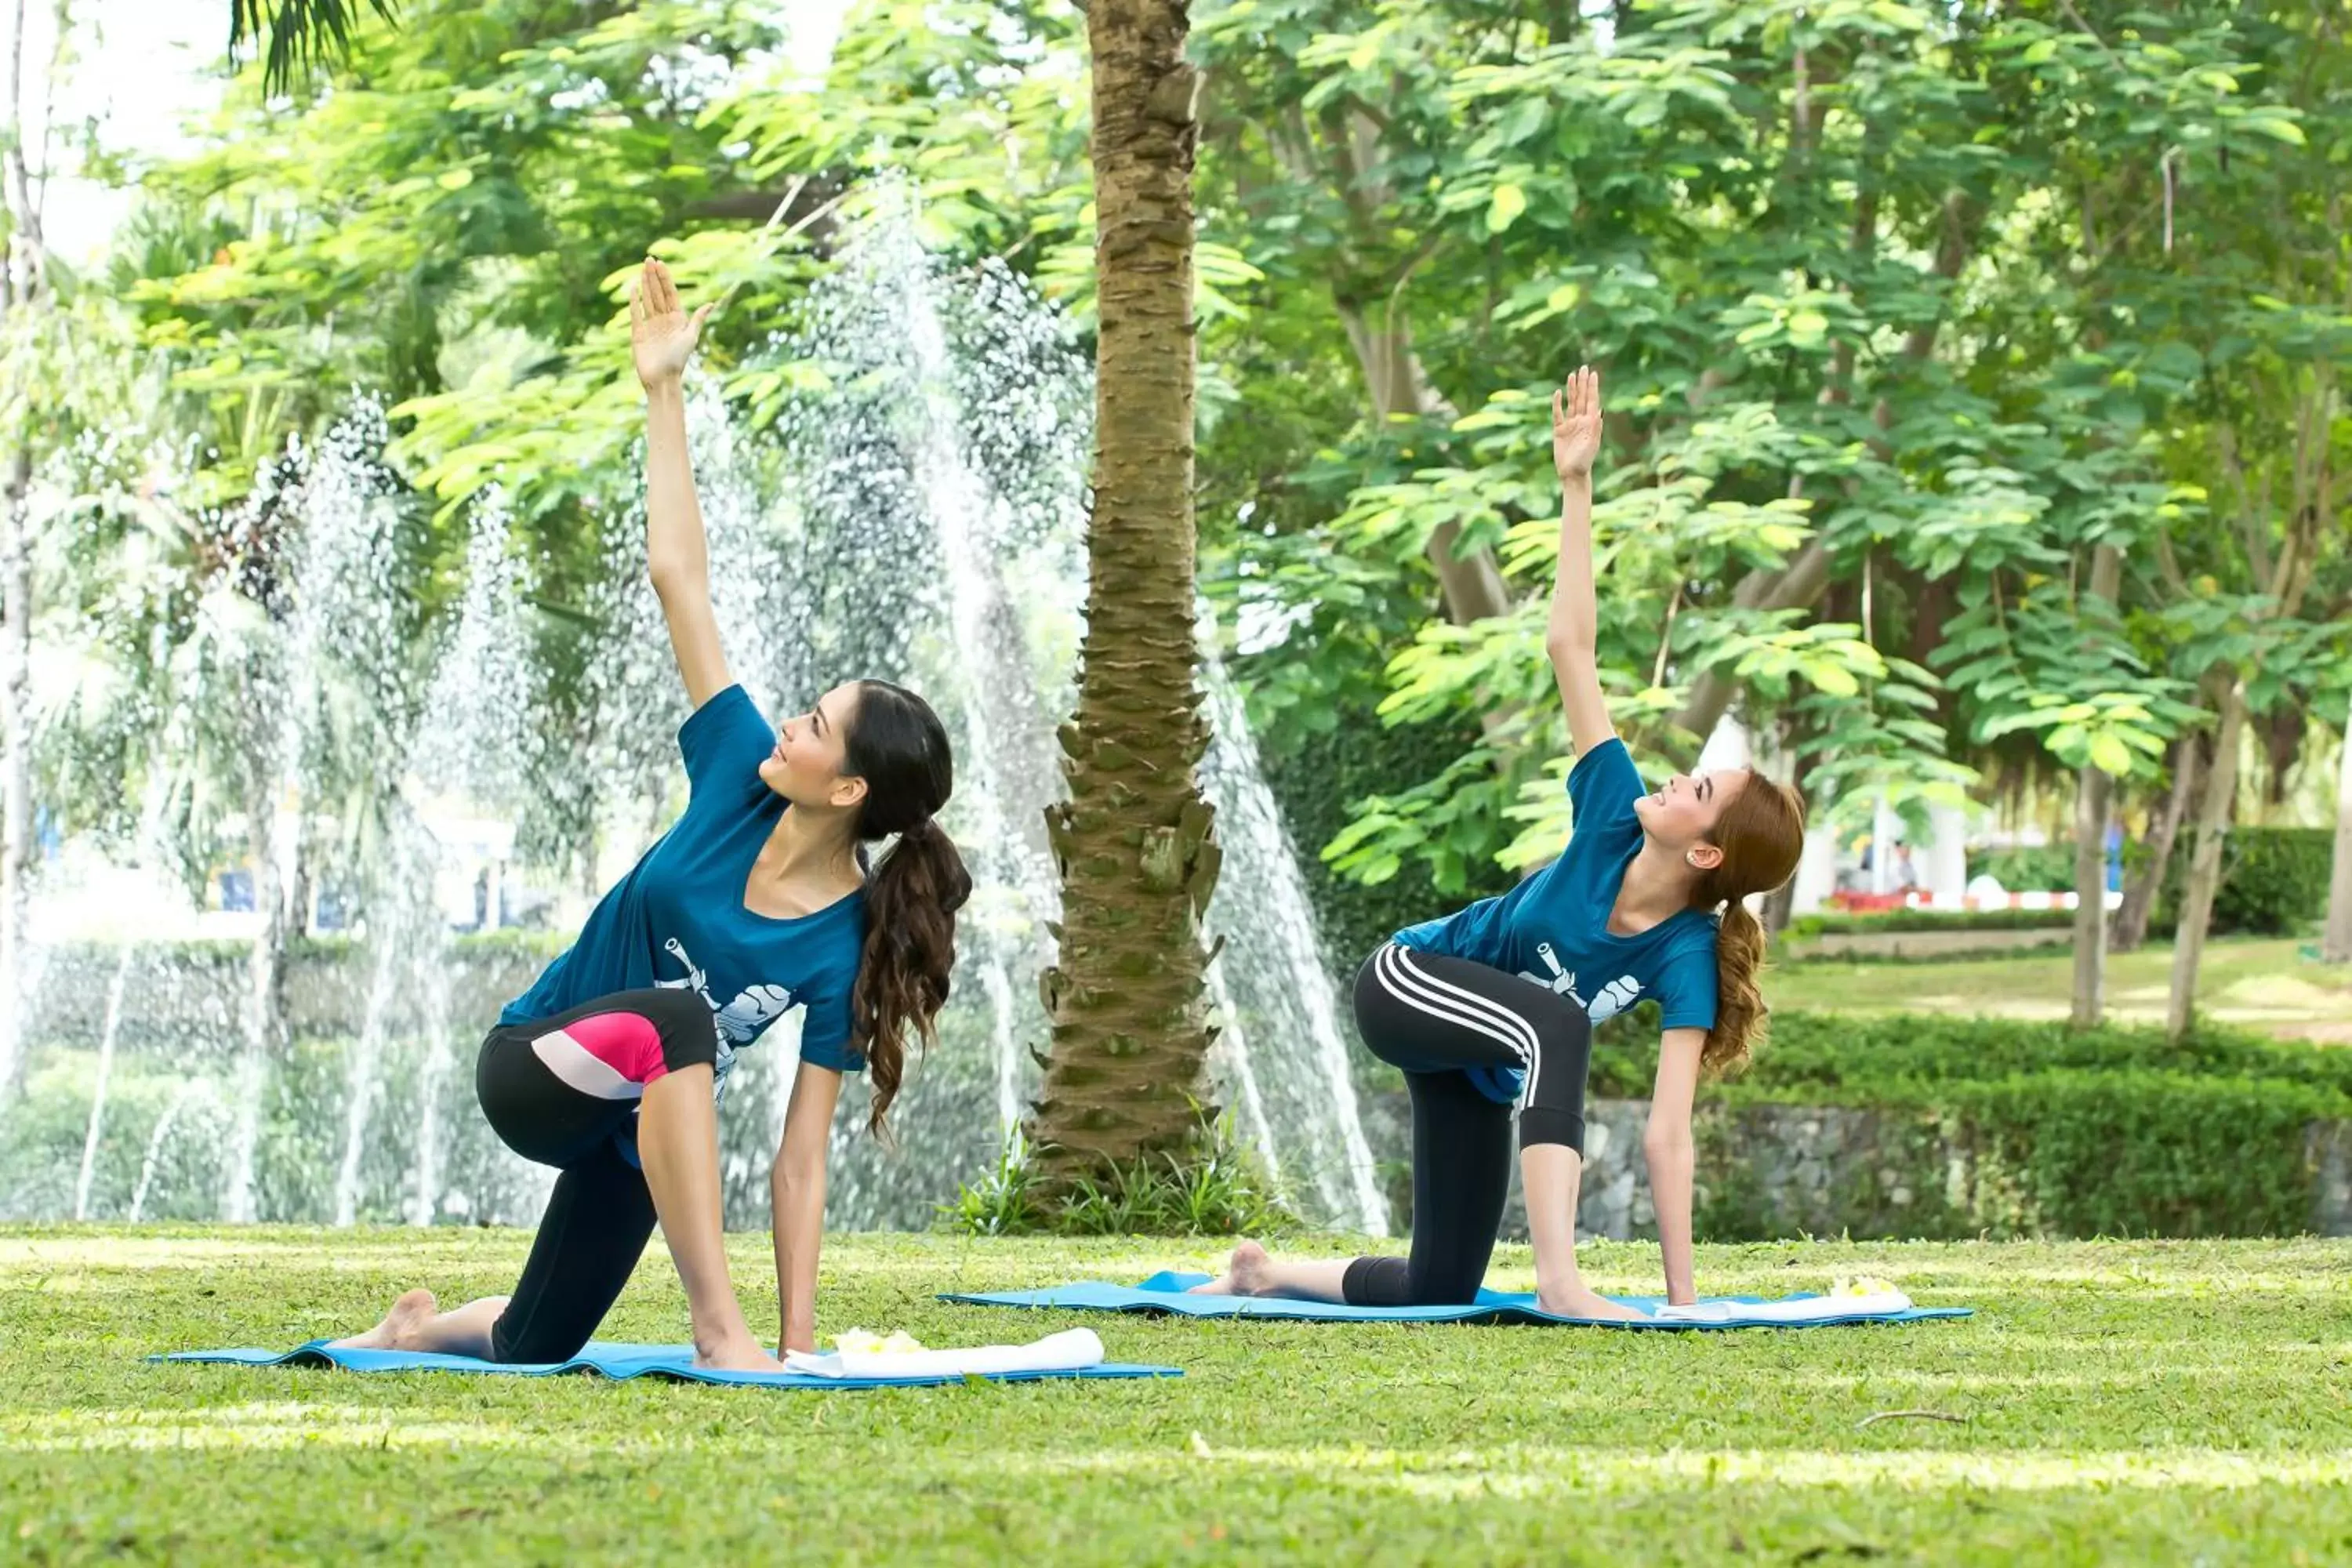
<point x="915" y="512"/>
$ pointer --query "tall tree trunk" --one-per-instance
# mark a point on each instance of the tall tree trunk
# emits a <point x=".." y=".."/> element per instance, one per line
<point x="2283" y="733"/>
<point x="2142" y="886"/>
<point x="266" y="1033"/>
<point x="23" y="285"/>
<point x="2093" y="793"/>
<point x="15" y="766"/>
<point x="2336" y="946"/>
<point x="2205" y="863"/>
<point x="1346" y="160"/>
<point x="2094" y="799"/>
<point x="1134" y="842"/>
<point x="1797" y="583"/>
<point x="1472" y="581"/>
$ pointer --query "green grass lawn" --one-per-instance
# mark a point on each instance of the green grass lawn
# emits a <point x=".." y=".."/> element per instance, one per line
<point x="2260" y="983"/>
<point x="2123" y="1402"/>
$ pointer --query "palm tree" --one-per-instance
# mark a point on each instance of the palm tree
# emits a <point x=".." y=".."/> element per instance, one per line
<point x="299" y="32"/>
<point x="1134" y="842"/>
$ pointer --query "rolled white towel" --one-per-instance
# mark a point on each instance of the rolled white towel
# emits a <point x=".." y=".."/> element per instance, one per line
<point x="1071" y="1349"/>
<point x="1812" y="1310"/>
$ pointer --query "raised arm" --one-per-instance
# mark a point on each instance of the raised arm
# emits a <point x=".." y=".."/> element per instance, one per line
<point x="796" y="1191"/>
<point x="662" y="337"/>
<point x="1573" y="637"/>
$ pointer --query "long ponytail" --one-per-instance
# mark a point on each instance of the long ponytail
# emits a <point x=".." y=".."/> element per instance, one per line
<point x="1761" y="834"/>
<point x="1740" y="1014"/>
<point x="897" y="745"/>
<point x="906" y="973"/>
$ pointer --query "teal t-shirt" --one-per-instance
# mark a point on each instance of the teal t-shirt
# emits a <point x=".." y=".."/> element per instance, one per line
<point x="1553" y="928"/>
<point x="677" y="918"/>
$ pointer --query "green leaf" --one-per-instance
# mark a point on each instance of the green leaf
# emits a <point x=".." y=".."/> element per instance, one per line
<point x="2110" y="755"/>
<point x="2278" y="129"/>
<point x="1509" y="201"/>
<point x="1833" y="679"/>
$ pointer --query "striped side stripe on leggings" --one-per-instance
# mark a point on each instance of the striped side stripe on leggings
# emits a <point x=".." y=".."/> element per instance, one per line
<point x="1424" y="992"/>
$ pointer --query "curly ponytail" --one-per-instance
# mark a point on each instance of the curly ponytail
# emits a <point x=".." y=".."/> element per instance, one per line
<point x="1761" y="834"/>
<point x="896" y="744"/>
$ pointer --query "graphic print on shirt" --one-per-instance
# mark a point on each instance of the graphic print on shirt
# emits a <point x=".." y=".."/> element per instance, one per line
<point x="741" y="1021"/>
<point x="1612" y="998"/>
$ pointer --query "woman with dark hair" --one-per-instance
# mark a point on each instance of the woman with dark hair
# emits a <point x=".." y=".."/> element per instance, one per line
<point x="760" y="898"/>
<point x="1489" y="1011"/>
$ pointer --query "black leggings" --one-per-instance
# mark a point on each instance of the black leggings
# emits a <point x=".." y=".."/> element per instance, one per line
<point x="601" y="1212"/>
<point x="1433" y="1017"/>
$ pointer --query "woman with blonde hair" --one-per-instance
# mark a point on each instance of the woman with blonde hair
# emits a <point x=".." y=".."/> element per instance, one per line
<point x="1491" y="1008"/>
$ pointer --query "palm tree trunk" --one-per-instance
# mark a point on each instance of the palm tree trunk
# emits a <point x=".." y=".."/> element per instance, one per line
<point x="2205" y="864"/>
<point x="2336" y="946"/>
<point x="1134" y="842"/>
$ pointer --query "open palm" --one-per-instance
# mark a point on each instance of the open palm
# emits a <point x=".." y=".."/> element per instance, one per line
<point x="661" y="335"/>
<point x="1575" y="425"/>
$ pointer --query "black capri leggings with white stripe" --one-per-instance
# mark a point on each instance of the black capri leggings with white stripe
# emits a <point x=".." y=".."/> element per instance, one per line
<point x="1433" y="1017"/>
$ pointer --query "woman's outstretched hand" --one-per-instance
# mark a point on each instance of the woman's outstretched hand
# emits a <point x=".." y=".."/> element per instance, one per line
<point x="1575" y="425"/>
<point x="661" y="335"/>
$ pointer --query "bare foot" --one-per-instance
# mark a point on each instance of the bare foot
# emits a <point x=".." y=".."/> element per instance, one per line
<point x="408" y="1314"/>
<point x="1245" y="1275"/>
<point x="1585" y="1303"/>
<point x="748" y="1356"/>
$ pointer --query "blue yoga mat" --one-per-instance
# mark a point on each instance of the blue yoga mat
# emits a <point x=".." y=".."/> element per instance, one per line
<point x="1165" y="1292"/>
<point x="617" y="1361"/>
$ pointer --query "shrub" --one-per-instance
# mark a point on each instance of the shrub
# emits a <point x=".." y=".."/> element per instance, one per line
<point x="2028" y="868"/>
<point x="2273" y="879"/>
<point x="1217" y="1186"/>
<point x="2106" y="1132"/>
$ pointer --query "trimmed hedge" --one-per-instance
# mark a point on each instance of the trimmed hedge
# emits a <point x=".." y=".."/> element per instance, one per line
<point x="1843" y="924"/>
<point x="2111" y="1131"/>
<point x="1838" y="1058"/>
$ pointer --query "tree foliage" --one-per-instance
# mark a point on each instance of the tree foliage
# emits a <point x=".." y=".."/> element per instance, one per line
<point x="1907" y="310"/>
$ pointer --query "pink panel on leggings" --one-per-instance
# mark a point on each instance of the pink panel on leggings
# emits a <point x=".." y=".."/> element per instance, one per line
<point x="625" y="1042"/>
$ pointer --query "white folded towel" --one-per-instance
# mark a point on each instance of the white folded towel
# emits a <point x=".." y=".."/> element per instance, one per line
<point x="1813" y="1309"/>
<point x="1069" y="1350"/>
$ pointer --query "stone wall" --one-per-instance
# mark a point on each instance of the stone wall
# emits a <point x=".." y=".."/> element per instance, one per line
<point x="2329" y="1150"/>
